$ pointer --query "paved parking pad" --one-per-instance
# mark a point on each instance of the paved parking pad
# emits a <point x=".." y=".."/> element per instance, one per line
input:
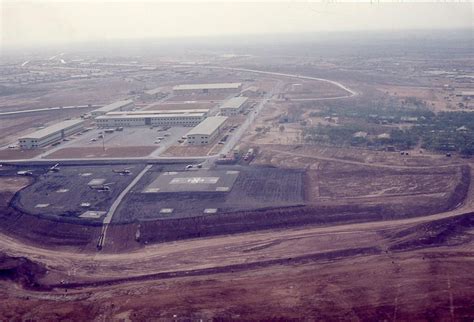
<point x="193" y="181"/>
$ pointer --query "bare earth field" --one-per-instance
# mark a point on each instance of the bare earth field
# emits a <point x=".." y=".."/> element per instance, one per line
<point x="301" y="89"/>
<point x="15" y="154"/>
<point x="65" y="93"/>
<point x="356" y="272"/>
<point x="435" y="97"/>
<point x="98" y="152"/>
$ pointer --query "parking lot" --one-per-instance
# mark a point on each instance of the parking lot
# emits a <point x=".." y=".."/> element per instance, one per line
<point x="157" y="139"/>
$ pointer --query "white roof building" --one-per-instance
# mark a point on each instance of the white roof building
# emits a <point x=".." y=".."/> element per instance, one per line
<point x="208" y="86"/>
<point x="206" y="131"/>
<point x="50" y="134"/>
<point x="53" y="129"/>
<point x="233" y="106"/>
<point x="154" y="112"/>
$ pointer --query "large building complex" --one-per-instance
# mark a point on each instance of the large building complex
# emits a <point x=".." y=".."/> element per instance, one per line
<point x="190" y="89"/>
<point x="206" y="131"/>
<point x="150" y="119"/>
<point x="51" y="134"/>
<point x="233" y="106"/>
<point x="154" y="112"/>
<point x="120" y="105"/>
<point x="189" y="117"/>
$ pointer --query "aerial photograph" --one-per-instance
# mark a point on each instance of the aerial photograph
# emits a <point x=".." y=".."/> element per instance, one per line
<point x="236" y="160"/>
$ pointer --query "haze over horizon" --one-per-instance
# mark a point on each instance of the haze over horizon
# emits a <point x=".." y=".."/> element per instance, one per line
<point x="41" y="23"/>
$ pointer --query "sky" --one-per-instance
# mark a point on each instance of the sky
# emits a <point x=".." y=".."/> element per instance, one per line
<point x="35" y="23"/>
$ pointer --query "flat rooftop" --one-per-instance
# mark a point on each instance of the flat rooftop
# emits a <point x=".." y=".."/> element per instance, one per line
<point x="113" y="106"/>
<point x="208" y="126"/>
<point x="208" y="86"/>
<point x="52" y="129"/>
<point x="234" y="102"/>
<point x="152" y="115"/>
<point x="193" y="181"/>
<point x="154" y="112"/>
<point x="154" y="91"/>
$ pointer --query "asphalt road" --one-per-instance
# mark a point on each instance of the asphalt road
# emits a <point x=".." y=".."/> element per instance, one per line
<point x="108" y="217"/>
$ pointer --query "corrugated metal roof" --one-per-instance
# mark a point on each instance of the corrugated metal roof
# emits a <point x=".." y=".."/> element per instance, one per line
<point x="234" y="102"/>
<point x="208" y="86"/>
<point x="52" y="129"/>
<point x="208" y="126"/>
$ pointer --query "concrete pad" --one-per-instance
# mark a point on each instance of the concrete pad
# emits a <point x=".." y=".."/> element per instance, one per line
<point x="193" y="181"/>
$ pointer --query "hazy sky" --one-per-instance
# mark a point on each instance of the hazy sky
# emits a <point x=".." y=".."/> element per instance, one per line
<point x="54" y="22"/>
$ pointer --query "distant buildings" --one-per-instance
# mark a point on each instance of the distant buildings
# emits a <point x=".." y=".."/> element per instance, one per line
<point x="189" y="89"/>
<point x="120" y="105"/>
<point x="251" y="91"/>
<point x="153" y="93"/>
<point x="466" y="94"/>
<point x="51" y="134"/>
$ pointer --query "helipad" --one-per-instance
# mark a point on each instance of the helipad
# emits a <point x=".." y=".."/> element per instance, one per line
<point x="193" y="181"/>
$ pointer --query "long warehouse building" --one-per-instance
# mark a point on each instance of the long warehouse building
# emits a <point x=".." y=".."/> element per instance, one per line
<point x="120" y="105"/>
<point x="233" y="106"/>
<point x="206" y="131"/>
<point x="51" y="134"/>
<point x="151" y="119"/>
<point x="188" y="89"/>
<point x="154" y="112"/>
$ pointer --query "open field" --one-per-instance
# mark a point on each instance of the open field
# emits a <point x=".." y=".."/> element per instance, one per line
<point x="16" y="154"/>
<point x="69" y="92"/>
<point x="358" y="271"/>
<point x="303" y="89"/>
<point x="437" y="98"/>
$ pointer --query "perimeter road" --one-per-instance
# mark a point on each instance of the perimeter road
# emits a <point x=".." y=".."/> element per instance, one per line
<point x="113" y="208"/>
<point x="48" y="109"/>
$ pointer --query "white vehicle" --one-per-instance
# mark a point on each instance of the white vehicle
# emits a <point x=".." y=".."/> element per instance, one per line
<point x="189" y="166"/>
<point x="93" y="139"/>
<point x="25" y="173"/>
